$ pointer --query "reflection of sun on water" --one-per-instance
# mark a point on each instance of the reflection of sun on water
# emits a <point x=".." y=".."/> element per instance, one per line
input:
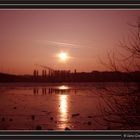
<point x="63" y="105"/>
<point x="63" y="99"/>
<point x="63" y="87"/>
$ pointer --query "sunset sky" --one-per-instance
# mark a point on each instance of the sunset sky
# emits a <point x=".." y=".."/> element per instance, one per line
<point x="29" y="37"/>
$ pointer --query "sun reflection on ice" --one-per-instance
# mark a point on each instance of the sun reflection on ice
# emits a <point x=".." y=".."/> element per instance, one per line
<point x="63" y="107"/>
<point x="63" y="87"/>
<point x="63" y="110"/>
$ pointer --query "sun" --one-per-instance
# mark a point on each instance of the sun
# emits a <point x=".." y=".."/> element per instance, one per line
<point x="63" y="56"/>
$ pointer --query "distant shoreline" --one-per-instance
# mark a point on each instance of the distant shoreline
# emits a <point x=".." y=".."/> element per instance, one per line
<point x="94" y="76"/>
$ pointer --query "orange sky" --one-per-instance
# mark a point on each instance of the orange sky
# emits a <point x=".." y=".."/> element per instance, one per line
<point x="29" y="37"/>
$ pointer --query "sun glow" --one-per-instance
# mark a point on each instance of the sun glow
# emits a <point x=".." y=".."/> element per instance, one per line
<point x="63" y="56"/>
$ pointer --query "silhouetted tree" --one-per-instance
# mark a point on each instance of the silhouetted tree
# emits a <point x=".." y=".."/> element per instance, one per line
<point x="122" y="109"/>
<point x="130" y="60"/>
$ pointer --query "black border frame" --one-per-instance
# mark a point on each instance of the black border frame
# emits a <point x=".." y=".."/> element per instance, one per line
<point x="125" y="4"/>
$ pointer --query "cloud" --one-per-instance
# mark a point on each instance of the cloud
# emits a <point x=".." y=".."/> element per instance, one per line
<point x="63" y="44"/>
<point x="57" y="44"/>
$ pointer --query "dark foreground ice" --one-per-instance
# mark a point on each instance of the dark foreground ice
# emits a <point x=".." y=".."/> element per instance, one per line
<point x="62" y="106"/>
